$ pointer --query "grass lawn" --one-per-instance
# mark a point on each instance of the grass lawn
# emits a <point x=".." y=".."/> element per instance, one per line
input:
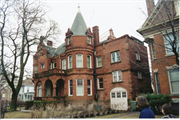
<point x="133" y="115"/>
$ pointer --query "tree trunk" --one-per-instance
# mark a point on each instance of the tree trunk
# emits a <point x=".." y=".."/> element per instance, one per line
<point x="13" y="104"/>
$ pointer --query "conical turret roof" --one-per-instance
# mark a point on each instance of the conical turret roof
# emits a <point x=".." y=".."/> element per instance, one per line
<point x="79" y="26"/>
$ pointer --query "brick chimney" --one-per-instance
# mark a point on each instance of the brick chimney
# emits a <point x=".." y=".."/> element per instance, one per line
<point x="49" y="43"/>
<point x="150" y="6"/>
<point x="96" y="35"/>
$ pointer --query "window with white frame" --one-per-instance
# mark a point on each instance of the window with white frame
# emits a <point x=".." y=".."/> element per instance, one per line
<point x="79" y="60"/>
<point x="158" y="90"/>
<point x="79" y="87"/>
<point x="50" y="66"/>
<point x="153" y="50"/>
<point x="69" y="40"/>
<point x="89" y="40"/>
<point x="70" y="88"/>
<point x="139" y="74"/>
<point x="174" y="80"/>
<point x="115" y="57"/>
<point x="99" y="61"/>
<point x="54" y="65"/>
<point x="117" y="76"/>
<point x="69" y="61"/>
<point x="168" y="41"/>
<point x="35" y="69"/>
<point x="88" y="61"/>
<point x="100" y="83"/>
<point x="89" y="87"/>
<point x="137" y="56"/>
<point x="64" y="64"/>
<point x="42" y="66"/>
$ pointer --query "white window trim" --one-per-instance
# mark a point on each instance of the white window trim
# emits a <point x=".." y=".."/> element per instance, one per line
<point x="97" y="61"/>
<point x="90" y="62"/>
<point x="115" y="56"/>
<point x="54" y="65"/>
<point x="88" y="40"/>
<point x="77" y="61"/>
<point x="170" y="83"/>
<point x="69" y="87"/>
<point x="64" y="60"/>
<point x="90" y="87"/>
<point x="50" y="66"/>
<point x="68" y="62"/>
<point x="83" y="87"/>
<point x="117" y="75"/>
<point x="42" y="66"/>
<point x="98" y="84"/>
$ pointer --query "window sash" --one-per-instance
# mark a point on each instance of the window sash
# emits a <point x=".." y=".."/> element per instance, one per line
<point x="54" y="65"/>
<point x="69" y="40"/>
<point x="153" y="50"/>
<point x="158" y="90"/>
<point x="139" y="75"/>
<point x="70" y="87"/>
<point x="79" y="60"/>
<point x="137" y="56"/>
<point x="50" y="66"/>
<point x="89" y="87"/>
<point x="100" y="83"/>
<point x="167" y="40"/>
<point x="89" y="40"/>
<point x="174" y="80"/>
<point x="99" y="61"/>
<point x="64" y="64"/>
<point x="88" y="61"/>
<point x="70" y="61"/>
<point x="80" y="87"/>
<point x="115" y="57"/>
<point x="42" y="66"/>
<point x="117" y="76"/>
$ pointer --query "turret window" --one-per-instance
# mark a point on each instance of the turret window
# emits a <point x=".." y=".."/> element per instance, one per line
<point x="69" y="61"/>
<point x="64" y="64"/>
<point x="89" y="40"/>
<point x="69" y="40"/>
<point x="88" y="61"/>
<point x="79" y="60"/>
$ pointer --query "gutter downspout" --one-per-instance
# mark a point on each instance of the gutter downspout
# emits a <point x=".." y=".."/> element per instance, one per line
<point x="95" y="79"/>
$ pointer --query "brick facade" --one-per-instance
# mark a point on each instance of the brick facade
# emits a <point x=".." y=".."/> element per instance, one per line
<point x="79" y="44"/>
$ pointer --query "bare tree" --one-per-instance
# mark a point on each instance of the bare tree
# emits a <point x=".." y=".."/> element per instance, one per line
<point x="164" y="19"/>
<point x="22" y="24"/>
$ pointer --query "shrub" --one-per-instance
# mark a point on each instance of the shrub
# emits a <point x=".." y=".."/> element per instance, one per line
<point x="156" y="101"/>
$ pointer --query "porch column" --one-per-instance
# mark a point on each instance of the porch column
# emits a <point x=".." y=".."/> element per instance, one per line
<point x="43" y="89"/>
<point x="54" y="89"/>
<point x="35" y="89"/>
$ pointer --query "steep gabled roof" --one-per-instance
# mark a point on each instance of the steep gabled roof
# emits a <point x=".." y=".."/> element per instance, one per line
<point x="79" y="26"/>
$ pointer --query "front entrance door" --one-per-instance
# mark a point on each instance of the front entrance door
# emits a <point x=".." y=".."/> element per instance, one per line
<point x="118" y="97"/>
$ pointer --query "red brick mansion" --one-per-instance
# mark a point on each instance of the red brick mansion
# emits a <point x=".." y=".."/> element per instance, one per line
<point x="84" y="69"/>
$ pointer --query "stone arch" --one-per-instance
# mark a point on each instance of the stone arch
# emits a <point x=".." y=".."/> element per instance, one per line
<point x="48" y="88"/>
<point x="60" y="87"/>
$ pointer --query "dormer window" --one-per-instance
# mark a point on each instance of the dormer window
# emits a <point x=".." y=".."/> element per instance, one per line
<point x="89" y="40"/>
<point x="69" y="40"/>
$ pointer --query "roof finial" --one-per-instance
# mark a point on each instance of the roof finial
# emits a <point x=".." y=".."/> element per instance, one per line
<point x="78" y="7"/>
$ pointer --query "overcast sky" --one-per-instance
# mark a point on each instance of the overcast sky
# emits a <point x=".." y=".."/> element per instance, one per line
<point x="123" y="16"/>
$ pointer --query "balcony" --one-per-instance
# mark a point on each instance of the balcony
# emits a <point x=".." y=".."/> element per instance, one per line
<point x="49" y="73"/>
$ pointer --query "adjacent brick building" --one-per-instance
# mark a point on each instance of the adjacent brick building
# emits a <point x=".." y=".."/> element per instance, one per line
<point x="159" y="30"/>
<point x="84" y="69"/>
